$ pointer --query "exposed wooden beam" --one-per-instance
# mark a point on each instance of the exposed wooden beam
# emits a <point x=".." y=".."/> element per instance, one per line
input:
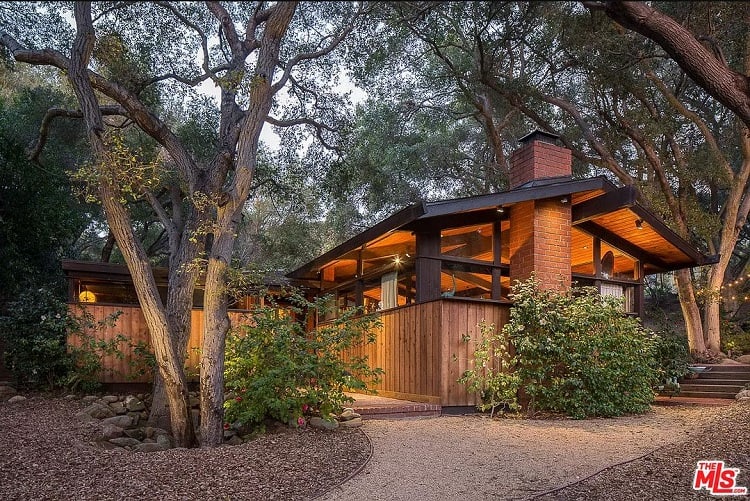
<point x="604" y="204"/>
<point x="595" y="230"/>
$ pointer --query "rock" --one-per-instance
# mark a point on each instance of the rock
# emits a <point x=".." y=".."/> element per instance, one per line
<point x="135" y="433"/>
<point x="85" y="417"/>
<point x="152" y="432"/>
<point x="71" y="397"/>
<point x="7" y="392"/>
<point x="118" y="408"/>
<point x="323" y="424"/>
<point x="17" y="398"/>
<point x="121" y="421"/>
<point x="125" y="442"/>
<point x="744" y="359"/>
<point x="110" y="431"/>
<point x="149" y="441"/>
<point x="133" y="404"/>
<point x="348" y="414"/>
<point x="90" y="398"/>
<point x="98" y="411"/>
<point x="352" y="423"/>
<point x="234" y="440"/>
<point x="135" y="416"/>
<point x="149" y="447"/>
<point x="106" y="445"/>
<point x="164" y="440"/>
<point x="229" y="434"/>
<point x="110" y="398"/>
<point x="743" y="394"/>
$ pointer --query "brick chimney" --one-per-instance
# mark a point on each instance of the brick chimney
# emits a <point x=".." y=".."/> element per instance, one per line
<point x="539" y="157"/>
<point x="540" y="229"/>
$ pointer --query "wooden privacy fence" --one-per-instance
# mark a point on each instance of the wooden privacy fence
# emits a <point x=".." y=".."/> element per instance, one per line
<point x="131" y="324"/>
<point x="425" y="348"/>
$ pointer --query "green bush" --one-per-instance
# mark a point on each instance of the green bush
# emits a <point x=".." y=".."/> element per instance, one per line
<point x="672" y="355"/>
<point x="579" y="354"/>
<point x="276" y="369"/>
<point x="35" y="330"/>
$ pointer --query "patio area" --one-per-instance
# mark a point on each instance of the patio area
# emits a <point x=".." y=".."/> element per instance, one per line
<point x="377" y="407"/>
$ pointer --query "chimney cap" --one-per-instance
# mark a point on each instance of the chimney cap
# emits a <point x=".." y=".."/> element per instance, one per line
<point x="539" y="135"/>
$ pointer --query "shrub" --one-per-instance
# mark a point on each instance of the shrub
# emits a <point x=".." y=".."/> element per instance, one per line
<point x="493" y="374"/>
<point x="34" y="331"/>
<point x="579" y="354"/>
<point x="672" y="355"/>
<point x="276" y="369"/>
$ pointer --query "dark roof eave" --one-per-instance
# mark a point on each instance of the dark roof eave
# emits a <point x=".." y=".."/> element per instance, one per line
<point x="400" y="218"/>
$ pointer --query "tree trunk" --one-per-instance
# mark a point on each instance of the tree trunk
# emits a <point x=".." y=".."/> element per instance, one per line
<point x="121" y="227"/>
<point x="690" y="311"/>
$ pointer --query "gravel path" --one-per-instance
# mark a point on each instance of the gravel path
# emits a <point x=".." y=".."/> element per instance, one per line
<point x="45" y="453"/>
<point x="474" y="457"/>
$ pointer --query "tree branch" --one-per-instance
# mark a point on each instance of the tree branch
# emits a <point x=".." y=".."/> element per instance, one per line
<point x="730" y="88"/>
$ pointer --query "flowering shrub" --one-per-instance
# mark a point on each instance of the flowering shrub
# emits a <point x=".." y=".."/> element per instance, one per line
<point x="575" y="353"/>
<point x="276" y="369"/>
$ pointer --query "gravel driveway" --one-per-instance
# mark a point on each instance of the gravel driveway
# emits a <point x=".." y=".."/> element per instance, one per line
<point x="474" y="457"/>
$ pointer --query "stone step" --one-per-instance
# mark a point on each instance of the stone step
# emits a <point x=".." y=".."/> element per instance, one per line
<point x="712" y="388"/>
<point x="707" y="394"/>
<point x="718" y="375"/>
<point x="717" y="381"/>
<point x="723" y="368"/>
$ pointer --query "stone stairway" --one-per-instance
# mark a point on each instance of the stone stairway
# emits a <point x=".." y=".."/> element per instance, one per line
<point x="718" y="381"/>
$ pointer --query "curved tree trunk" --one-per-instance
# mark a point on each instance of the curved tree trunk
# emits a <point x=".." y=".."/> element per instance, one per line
<point x="690" y="311"/>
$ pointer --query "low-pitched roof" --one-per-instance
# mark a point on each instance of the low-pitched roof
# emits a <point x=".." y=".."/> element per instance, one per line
<point x="599" y="208"/>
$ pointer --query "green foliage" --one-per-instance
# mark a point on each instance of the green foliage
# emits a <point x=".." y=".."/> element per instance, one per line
<point x="493" y="374"/>
<point x="276" y="369"/>
<point x="672" y="355"/>
<point x="34" y="331"/>
<point x="578" y="354"/>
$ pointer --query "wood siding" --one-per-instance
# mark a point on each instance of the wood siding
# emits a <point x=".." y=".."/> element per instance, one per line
<point x="132" y="325"/>
<point x="422" y="349"/>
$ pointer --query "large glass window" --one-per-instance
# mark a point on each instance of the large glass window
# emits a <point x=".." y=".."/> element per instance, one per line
<point x="469" y="242"/>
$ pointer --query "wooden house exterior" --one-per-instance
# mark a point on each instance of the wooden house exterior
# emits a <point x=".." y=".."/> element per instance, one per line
<point x="434" y="270"/>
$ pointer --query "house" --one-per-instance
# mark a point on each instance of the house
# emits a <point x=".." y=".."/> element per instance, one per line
<point x="434" y="270"/>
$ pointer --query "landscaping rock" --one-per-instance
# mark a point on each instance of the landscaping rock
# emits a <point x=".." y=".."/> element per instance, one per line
<point x="110" y="398"/>
<point x="110" y="431"/>
<point x="118" y="408"/>
<point x="743" y="394"/>
<point x="17" y="398"/>
<point x="135" y="416"/>
<point x="133" y="404"/>
<point x="744" y="359"/>
<point x="152" y="432"/>
<point x="7" y="392"/>
<point x="71" y="397"/>
<point x="352" y="423"/>
<point x="98" y="411"/>
<point x="121" y="421"/>
<point x="135" y="433"/>
<point x="323" y="424"/>
<point x="85" y="417"/>
<point x="348" y="414"/>
<point x="149" y="447"/>
<point x="90" y="398"/>
<point x="235" y="440"/>
<point x="125" y="442"/>
<point x="149" y="441"/>
<point x="164" y="440"/>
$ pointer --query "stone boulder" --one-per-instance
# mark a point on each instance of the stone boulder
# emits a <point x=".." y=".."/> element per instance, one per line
<point x="121" y="421"/>
<point x="352" y="423"/>
<point x="134" y="404"/>
<point x="6" y="392"/>
<point x="110" y="431"/>
<point x="743" y="394"/>
<point x="323" y="424"/>
<point x="98" y="411"/>
<point x="744" y="359"/>
<point x="17" y="398"/>
<point x="149" y="447"/>
<point x="125" y="442"/>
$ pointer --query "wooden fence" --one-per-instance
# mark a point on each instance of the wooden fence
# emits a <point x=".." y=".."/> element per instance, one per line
<point x="131" y="324"/>
<point x="425" y="348"/>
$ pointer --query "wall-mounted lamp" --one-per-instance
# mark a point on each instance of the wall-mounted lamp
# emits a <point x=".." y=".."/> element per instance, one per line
<point x="87" y="297"/>
<point x="501" y="210"/>
<point x="564" y="200"/>
<point x="639" y="224"/>
<point x="397" y="259"/>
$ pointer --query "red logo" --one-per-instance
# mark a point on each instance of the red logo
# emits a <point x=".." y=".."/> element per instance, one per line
<point x="717" y="479"/>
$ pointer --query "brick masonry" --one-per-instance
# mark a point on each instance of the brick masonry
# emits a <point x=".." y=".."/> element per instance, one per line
<point x="540" y="229"/>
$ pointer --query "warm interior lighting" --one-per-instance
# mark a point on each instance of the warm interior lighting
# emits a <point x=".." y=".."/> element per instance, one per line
<point x="564" y="200"/>
<point x="397" y="259"/>
<point x="639" y="224"/>
<point x="87" y="297"/>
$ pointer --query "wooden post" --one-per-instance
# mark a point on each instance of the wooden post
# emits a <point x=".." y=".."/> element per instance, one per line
<point x="427" y="266"/>
<point x="497" y="290"/>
